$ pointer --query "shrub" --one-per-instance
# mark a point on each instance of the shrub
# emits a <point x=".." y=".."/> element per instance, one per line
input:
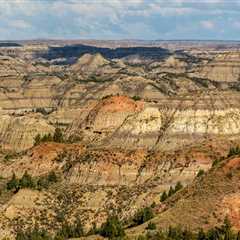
<point x="178" y="187"/>
<point x="141" y="237"/>
<point x="112" y="228"/>
<point x="45" y="181"/>
<point x="37" y="139"/>
<point x="229" y="175"/>
<point x="151" y="226"/>
<point x="153" y="205"/>
<point x="164" y="196"/>
<point x="71" y="231"/>
<point x="35" y="234"/>
<point x="45" y="138"/>
<point x="52" y="177"/>
<point x="136" y="98"/>
<point x="201" y="235"/>
<point x="200" y="173"/>
<point x="93" y="230"/>
<point x="13" y="183"/>
<point x="215" y="162"/>
<point x="8" y="157"/>
<point x="26" y="181"/>
<point x="143" y="216"/>
<point x="58" y="136"/>
<point x="171" y="191"/>
<point x="234" y="151"/>
<point x="43" y="111"/>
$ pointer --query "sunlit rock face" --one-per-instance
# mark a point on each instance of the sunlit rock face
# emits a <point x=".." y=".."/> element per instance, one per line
<point x="18" y="133"/>
<point x="181" y="97"/>
<point x="225" y="67"/>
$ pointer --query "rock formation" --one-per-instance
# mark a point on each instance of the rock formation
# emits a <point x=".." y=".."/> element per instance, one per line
<point x="132" y="127"/>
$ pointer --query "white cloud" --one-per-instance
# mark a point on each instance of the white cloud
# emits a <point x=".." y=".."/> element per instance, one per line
<point x="207" y="24"/>
<point x="236" y="24"/>
<point x="116" y="18"/>
<point x="19" y="24"/>
<point x="21" y="7"/>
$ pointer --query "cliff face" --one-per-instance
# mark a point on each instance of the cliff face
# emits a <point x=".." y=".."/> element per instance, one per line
<point x="121" y="122"/>
<point x="187" y="102"/>
<point x="223" y="68"/>
<point x="138" y="126"/>
<point x="90" y="181"/>
<point x="204" y="203"/>
<point x="89" y="63"/>
<point x="18" y="133"/>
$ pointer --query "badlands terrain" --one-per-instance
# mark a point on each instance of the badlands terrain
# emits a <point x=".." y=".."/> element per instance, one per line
<point x="91" y="129"/>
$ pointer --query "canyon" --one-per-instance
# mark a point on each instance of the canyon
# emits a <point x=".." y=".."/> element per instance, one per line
<point x="135" y="120"/>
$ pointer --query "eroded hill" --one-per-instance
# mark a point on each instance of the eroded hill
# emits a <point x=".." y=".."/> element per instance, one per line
<point x="114" y="132"/>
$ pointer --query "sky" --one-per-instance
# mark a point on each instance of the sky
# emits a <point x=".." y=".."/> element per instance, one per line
<point x="120" y="19"/>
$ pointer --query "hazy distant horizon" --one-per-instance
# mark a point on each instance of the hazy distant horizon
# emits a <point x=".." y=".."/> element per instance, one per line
<point x="118" y="40"/>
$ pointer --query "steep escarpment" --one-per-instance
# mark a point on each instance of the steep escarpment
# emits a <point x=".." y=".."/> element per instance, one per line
<point x="24" y="87"/>
<point x="131" y="128"/>
<point x="223" y="68"/>
<point x="92" y="180"/>
<point x="174" y="103"/>
<point x="122" y="122"/>
<point x="89" y="63"/>
<point x="18" y="133"/>
<point x="206" y="202"/>
<point x="160" y="126"/>
<point x="108" y="115"/>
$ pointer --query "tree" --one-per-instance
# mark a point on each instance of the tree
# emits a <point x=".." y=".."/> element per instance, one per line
<point x="201" y="235"/>
<point x="178" y="186"/>
<point x="213" y="234"/>
<point x="175" y="233"/>
<point x="226" y="227"/>
<point x="37" y="139"/>
<point x="171" y="191"/>
<point x="47" y="138"/>
<point x="33" y="234"/>
<point x="187" y="235"/>
<point x="42" y="183"/>
<point x="58" y="136"/>
<point x="26" y="181"/>
<point x="112" y="228"/>
<point x="79" y="232"/>
<point x="52" y="177"/>
<point x="143" y="215"/>
<point x="151" y="226"/>
<point x="13" y="183"/>
<point x="163" y="196"/>
<point x="70" y="231"/>
<point x="200" y="173"/>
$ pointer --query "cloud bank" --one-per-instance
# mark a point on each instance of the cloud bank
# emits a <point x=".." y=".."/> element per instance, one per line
<point x="120" y="19"/>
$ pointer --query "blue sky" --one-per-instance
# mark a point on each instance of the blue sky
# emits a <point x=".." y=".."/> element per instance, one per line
<point x="120" y="19"/>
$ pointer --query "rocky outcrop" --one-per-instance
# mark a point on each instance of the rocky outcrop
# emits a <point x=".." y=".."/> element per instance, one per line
<point x="223" y="68"/>
<point x="90" y="181"/>
<point x="122" y="122"/>
<point x="18" y="133"/>
<point x="172" y="64"/>
<point x="212" y="197"/>
<point x="89" y="63"/>
<point x="103" y="119"/>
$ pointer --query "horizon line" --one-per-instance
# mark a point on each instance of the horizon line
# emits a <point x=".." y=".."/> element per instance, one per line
<point x="112" y="40"/>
